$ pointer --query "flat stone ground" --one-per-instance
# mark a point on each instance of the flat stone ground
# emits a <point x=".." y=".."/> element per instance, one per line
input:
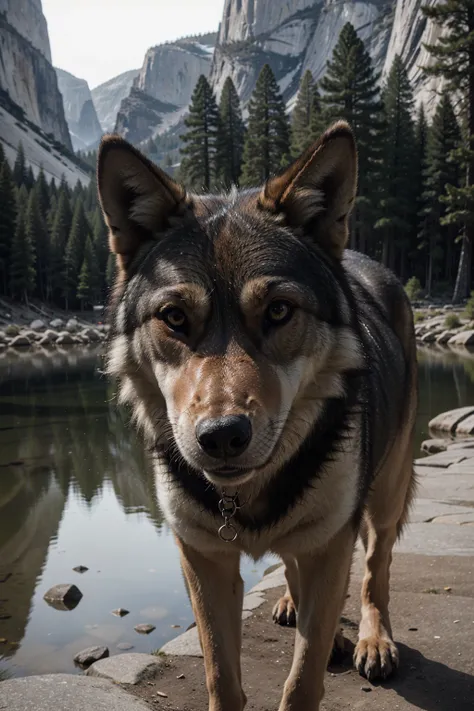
<point x="432" y="606"/>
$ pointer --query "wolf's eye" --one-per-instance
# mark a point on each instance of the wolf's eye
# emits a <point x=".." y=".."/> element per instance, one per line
<point x="175" y="319"/>
<point x="279" y="313"/>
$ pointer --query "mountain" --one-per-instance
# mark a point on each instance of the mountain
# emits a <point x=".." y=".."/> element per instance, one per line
<point x="161" y="92"/>
<point x="299" y="35"/>
<point x="81" y="115"/>
<point x="107" y="98"/>
<point x="31" y="105"/>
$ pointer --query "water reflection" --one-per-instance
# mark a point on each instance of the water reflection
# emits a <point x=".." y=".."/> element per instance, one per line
<point x="76" y="488"/>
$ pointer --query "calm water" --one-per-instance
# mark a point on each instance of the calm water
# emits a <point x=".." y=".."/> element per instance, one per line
<point x="75" y="490"/>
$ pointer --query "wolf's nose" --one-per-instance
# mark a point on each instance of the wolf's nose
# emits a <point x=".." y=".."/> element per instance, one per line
<point x="223" y="437"/>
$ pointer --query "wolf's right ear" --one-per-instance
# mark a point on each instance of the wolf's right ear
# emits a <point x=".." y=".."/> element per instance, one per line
<point x="137" y="198"/>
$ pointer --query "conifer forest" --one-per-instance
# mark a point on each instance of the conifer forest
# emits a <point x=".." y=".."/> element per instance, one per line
<point x="415" y="206"/>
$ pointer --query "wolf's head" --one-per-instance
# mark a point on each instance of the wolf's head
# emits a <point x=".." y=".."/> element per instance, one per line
<point x="229" y="325"/>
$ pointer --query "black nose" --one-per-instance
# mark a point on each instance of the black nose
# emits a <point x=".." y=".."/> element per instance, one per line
<point x="223" y="437"/>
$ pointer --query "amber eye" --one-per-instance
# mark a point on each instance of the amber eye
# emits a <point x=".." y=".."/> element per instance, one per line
<point x="175" y="319"/>
<point x="279" y="313"/>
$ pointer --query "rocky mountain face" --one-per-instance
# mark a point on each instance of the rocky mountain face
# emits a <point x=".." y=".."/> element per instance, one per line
<point x="107" y="98"/>
<point x="162" y="90"/>
<point x="31" y="105"/>
<point x="26" y="73"/>
<point x="293" y="36"/>
<point x="81" y="115"/>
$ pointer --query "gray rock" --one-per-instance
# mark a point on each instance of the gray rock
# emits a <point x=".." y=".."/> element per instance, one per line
<point x="20" y="342"/>
<point x="442" y="459"/>
<point x="144" y="628"/>
<point x="65" y="339"/>
<point x="444" y="337"/>
<point x="80" y="569"/>
<point x="72" y="325"/>
<point x="433" y="446"/>
<point x="125" y="646"/>
<point x="49" y="336"/>
<point x="91" y="334"/>
<point x="37" y="325"/>
<point x="63" y="597"/>
<point x="90" y="655"/>
<point x="127" y="668"/>
<point x="66" y="692"/>
<point x="448" y="421"/>
<point x="431" y="336"/>
<point x="186" y="645"/>
<point x="57" y="323"/>
<point x="466" y="426"/>
<point x="464" y="338"/>
<point x="12" y="330"/>
<point x="120" y="612"/>
<point x="3" y="337"/>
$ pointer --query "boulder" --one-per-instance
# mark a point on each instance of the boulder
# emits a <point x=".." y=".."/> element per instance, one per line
<point x="444" y="337"/>
<point x="65" y="339"/>
<point x="144" y="628"/>
<point x="91" y="334"/>
<point x="37" y="325"/>
<point x="464" y="338"/>
<point x="430" y="337"/>
<point x="3" y="337"/>
<point x="57" y="323"/>
<point x="433" y="446"/>
<point x="448" y="421"/>
<point x="50" y="335"/>
<point x="90" y="655"/>
<point x="127" y="668"/>
<point x="72" y="325"/>
<point x="63" y="597"/>
<point x="20" y="342"/>
<point x="12" y="330"/>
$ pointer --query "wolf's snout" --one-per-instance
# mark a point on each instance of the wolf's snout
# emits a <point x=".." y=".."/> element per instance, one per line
<point x="224" y="437"/>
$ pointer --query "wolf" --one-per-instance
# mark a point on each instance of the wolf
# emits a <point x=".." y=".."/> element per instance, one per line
<point x="273" y="374"/>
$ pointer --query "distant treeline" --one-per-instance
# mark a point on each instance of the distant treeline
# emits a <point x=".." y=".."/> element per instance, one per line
<point x="53" y="240"/>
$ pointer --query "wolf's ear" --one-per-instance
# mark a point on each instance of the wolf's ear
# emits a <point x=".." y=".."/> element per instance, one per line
<point x="137" y="197"/>
<point x="317" y="191"/>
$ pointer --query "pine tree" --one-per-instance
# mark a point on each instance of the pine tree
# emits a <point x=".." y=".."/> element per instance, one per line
<point x="89" y="279"/>
<point x="454" y="60"/>
<point x="44" y="193"/>
<point x="8" y="212"/>
<point x="20" y="171"/>
<point x="267" y="142"/>
<point x="59" y="235"/>
<point x="37" y="235"/>
<point x="111" y="270"/>
<point x="30" y="178"/>
<point x="73" y="258"/>
<point x="101" y="246"/>
<point x="351" y="92"/>
<point x="2" y="155"/>
<point x="398" y="206"/>
<point x="232" y="132"/>
<point x="306" y="114"/>
<point x="440" y="172"/>
<point x="199" y="164"/>
<point x="419" y="187"/>
<point x="22" y="258"/>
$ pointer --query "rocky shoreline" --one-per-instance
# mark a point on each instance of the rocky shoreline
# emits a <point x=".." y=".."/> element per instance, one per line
<point x="42" y="334"/>
<point x="443" y="326"/>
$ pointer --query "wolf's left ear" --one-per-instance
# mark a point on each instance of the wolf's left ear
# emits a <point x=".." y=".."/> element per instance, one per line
<point x="317" y="191"/>
<point x="137" y="197"/>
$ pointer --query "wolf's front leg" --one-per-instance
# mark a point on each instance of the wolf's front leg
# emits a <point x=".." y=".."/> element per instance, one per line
<point x="323" y="578"/>
<point x="216" y="591"/>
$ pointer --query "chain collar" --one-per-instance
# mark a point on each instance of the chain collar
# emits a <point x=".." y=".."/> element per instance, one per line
<point x="228" y="506"/>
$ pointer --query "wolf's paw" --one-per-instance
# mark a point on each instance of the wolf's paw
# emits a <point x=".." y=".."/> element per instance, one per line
<point x="376" y="657"/>
<point x="284" y="612"/>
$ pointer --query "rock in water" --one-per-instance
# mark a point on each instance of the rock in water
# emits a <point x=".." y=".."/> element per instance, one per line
<point x="90" y="655"/>
<point x="144" y="629"/>
<point x="37" y="325"/>
<point x="63" y="597"/>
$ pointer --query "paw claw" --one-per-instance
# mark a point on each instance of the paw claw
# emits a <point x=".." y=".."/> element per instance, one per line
<point x="376" y="657"/>
<point x="284" y="612"/>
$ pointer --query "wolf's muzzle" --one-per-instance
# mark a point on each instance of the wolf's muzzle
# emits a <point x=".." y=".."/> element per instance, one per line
<point x="224" y="437"/>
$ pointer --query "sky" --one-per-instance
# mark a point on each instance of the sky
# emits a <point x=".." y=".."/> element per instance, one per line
<point x="98" y="39"/>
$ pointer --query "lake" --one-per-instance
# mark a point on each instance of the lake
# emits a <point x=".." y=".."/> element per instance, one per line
<point x="76" y="489"/>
